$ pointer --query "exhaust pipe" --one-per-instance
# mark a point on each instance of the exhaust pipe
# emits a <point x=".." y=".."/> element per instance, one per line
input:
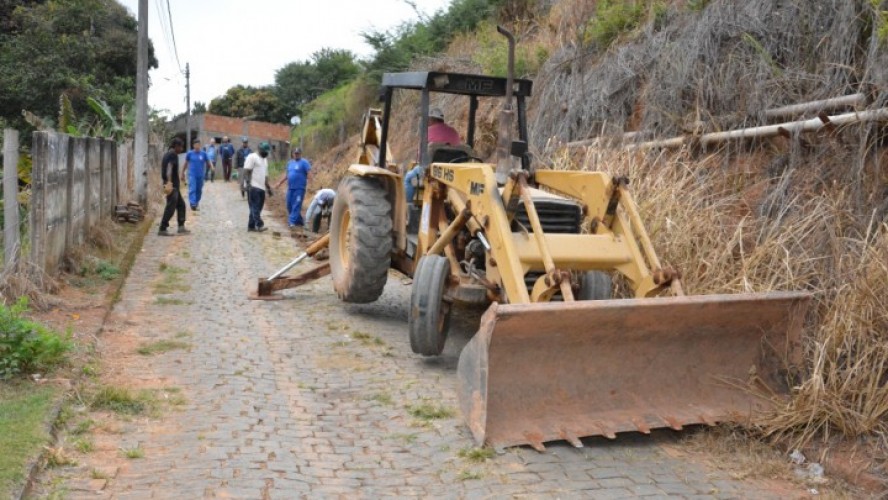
<point x="504" y="133"/>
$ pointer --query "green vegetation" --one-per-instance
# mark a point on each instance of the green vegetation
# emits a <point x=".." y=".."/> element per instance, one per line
<point x="107" y="271"/>
<point x="612" y="19"/>
<point x="406" y="438"/>
<point x="467" y="475"/>
<point x="84" y="445"/>
<point x="880" y="20"/>
<point x="27" y="346"/>
<point x="493" y="55"/>
<point x="395" y="50"/>
<point x="367" y="339"/>
<point x="24" y="430"/>
<point x="697" y="5"/>
<point x="97" y="474"/>
<point x="82" y="427"/>
<point x="161" y="346"/>
<point x="121" y="401"/>
<point x="476" y="454"/>
<point x="133" y="453"/>
<point x="298" y="83"/>
<point x="171" y="280"/>
<point x="77" y="49"/>
<point x="166" y="301"/>
<point x="383" y="398"/>
<point x="428" y="411"/>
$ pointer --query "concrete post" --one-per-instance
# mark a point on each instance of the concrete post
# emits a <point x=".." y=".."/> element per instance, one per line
<point x="37" y="216"/>
<point x="11" y="243"/>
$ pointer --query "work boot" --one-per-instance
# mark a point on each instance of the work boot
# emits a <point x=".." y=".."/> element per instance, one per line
<point x="182" y="230"/>
<point x="164" y="232"/>
<point x="261" y="229"/>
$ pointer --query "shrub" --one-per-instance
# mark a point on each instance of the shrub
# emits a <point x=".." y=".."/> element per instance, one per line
<point x="613" y="18"/>
<point x="493" y="54"/>
<point x="27" y="346"/>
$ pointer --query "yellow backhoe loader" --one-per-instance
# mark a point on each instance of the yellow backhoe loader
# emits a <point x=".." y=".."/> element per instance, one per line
<point x="555" y="357"/>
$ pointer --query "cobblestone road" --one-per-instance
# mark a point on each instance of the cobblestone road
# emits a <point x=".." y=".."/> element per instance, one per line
<point x="311" y="397"/>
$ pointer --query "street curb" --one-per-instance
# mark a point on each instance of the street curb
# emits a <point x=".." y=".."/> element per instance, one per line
<point x="844" y="466"/>
<point x="111" y="297"/>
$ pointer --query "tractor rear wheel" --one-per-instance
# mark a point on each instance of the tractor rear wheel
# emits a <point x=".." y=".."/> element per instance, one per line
<point x="429" y="317"/>
<point x="596" y="285"/>
<point x="360" y="239"/>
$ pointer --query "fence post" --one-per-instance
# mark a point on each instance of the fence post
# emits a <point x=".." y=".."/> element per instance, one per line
<point x="69" y="188"/>
<point x="10" y="197"/>
<point x="37" y="219"/>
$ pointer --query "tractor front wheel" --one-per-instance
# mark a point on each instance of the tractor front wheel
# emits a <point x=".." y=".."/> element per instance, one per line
<point x="360" y="239"/>
<point x="429" y="317"/>
<point x="596" y="285"/>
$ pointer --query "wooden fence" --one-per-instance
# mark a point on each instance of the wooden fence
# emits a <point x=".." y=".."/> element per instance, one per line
<point x="76" y="182"/>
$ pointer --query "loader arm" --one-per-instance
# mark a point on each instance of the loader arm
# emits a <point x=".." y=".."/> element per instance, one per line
<point x="515" y="253"/>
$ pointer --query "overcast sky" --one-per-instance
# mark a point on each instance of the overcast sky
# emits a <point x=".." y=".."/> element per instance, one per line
<point x="230" y="42"/>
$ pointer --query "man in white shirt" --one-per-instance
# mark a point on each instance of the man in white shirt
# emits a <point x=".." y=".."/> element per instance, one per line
<point x="256" y="179"/>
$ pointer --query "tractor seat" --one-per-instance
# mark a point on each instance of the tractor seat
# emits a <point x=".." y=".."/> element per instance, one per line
<point x="445" y="153"/>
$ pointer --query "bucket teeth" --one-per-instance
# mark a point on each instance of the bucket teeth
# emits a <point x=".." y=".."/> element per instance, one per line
<point x="641" y="425"/>
<point x="707" y="419"/>
<point x="606" y="431"/>
<point x="571" y="438"/>
<point x="672" y="421"/>
<point x="535" y="441"/>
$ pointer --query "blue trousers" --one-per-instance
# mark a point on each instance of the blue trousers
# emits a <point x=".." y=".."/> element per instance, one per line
<point x="195" y="187"/>
<point x="256" y="200"/>
<point x="294" y="206"/>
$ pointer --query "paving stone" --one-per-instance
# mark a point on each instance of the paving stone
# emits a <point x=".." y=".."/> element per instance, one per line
<point x="645" y="490"/>
<point x="280" y="394"/>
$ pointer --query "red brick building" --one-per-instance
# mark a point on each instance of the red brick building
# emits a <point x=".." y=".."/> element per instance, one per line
<point x="206" y="127"/>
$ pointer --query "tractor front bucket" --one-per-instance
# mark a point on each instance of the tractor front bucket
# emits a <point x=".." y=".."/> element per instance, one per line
<point x="562" y="371"/>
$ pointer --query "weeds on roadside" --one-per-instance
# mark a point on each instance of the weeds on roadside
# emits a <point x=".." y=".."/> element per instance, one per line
<point x="406" y="438"/>
<point x="428" y="411"/>
<point x="133" y="453"/>
<point x="166" y="301"/>
<point x="27" y="346"/>
<point x="84" y="445"/>
<point x="383" y="398"/>
<point x="121" y="401"/>
<point x="476" y="455"/>
<point x="161" y="347"/>
<point x="467" y="475"/>
<point x="97" y="474"/>
<point x="83" y="427"/>
<point x="56" y="457"/>
<point x="171" y="280"/>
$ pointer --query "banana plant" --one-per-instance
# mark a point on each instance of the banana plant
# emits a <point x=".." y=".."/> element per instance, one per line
<point x="107" y="126"/>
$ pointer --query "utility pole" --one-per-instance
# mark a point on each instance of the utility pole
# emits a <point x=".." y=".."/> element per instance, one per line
<point x="141" y="146"/>
<point x="187" y="108"/>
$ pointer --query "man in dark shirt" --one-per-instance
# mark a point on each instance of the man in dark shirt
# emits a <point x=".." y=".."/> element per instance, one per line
<point x="169" y="171"/>
<point x="226" y="150"/>
<point x="241" y="158"/>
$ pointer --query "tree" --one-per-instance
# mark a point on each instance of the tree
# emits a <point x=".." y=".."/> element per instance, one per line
<point x="240" y="101"/>
<point x="395" y="50"/>
<point x="79" y="48"/>
<point x="198" y="107"/>
<point x="300" y="82"/>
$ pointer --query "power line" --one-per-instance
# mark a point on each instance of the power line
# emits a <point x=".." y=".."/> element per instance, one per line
<point x="163" y="28"/>
<point x="173" y="33"/>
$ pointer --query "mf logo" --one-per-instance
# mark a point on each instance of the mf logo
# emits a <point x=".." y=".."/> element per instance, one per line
<point x="476" y="188"/>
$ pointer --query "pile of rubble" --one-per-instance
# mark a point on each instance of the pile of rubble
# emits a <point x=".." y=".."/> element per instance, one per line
<point x="131" y="212"/>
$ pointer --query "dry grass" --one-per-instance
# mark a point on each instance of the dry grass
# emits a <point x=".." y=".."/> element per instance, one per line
<point x="798" y="230"/>
<point x="28" y="280"/>
<point x="810" y="218"/>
